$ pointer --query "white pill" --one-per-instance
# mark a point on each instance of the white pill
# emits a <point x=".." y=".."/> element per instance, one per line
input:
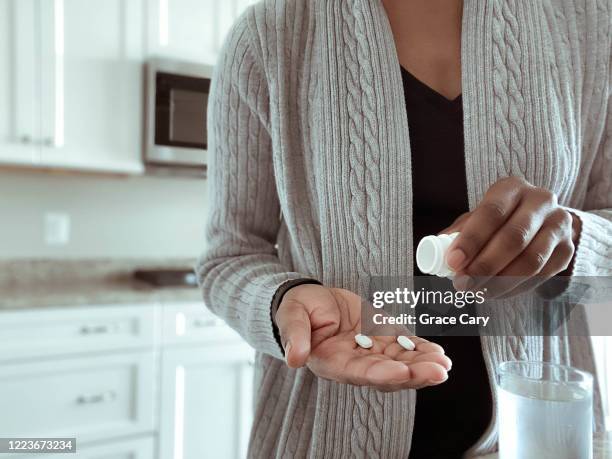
<point x="406" y="343"/>
<point x="364" y="341"/>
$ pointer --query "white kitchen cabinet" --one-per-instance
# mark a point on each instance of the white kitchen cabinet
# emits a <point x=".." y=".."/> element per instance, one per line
<point x="35" y="333"/>
<point x="192" y="323"/>
<point x="71" y="74"/>
<point x="91" y="87"/>
<point x="88" y="398"/>
<point x="107" y="374"/>
<point x="20" y="116"/>
<point x="206" y="399"/>
<point x="71" y="84"/>
<point x="191" y="30"/>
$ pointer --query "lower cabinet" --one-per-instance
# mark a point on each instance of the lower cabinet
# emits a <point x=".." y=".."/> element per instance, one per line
<point x="96" y="398"/>
<point x="206" y="400"/>
<point x="131" y="382"/>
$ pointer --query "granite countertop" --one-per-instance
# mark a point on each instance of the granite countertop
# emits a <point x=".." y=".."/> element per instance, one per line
<point x="50" y="283"/>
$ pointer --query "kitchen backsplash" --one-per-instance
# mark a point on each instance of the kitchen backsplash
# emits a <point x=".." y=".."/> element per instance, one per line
<point x="126" y="217"/>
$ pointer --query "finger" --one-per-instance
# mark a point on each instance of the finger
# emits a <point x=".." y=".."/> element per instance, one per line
<point x="416" y="357"/>
<point x="550" y="249"/>
<point x="294" y="327"/>
<point x="422" y="345"/>
<point x="509" y="241"/>
<point x="372" y="370"/>
<point x="426" y="374"/>
<point x="377" y="370"/>
<point x="554" y="236"/>
<point x="394" y="351"/>
<point x="498" y="204"/>
<point x="388" y="374"/>
<point x="558" y="261"/>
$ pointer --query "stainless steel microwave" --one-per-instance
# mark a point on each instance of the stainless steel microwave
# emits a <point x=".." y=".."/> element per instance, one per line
<point x="176" y="104"/>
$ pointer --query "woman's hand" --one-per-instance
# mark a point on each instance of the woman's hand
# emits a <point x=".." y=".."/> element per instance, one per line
<point x="318" y="327"/>
<point x="519" y="232"/>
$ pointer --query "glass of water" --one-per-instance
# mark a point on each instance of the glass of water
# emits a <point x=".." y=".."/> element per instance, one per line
<point x="545" y="411"/>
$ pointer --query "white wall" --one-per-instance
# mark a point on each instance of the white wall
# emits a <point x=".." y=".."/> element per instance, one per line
<point x="110" y="216"/>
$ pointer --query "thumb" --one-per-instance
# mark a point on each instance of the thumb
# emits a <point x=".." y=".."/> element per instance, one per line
<point x="294" y="326"/>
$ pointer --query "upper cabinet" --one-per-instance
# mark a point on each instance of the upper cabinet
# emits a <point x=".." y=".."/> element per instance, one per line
<point x="70" y="84"/>
<point x="191" y="30"/>
<point x="19" y="83"/>
<point x="91" y="96"/>
<point x="71" y="74"/>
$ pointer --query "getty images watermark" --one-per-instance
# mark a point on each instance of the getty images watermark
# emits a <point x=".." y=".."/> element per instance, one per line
<point x="497" y="306"/>
<point x="410" y="299"/>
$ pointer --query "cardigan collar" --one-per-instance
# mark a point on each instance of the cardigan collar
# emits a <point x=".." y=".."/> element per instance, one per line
<point x="510" y="87"/>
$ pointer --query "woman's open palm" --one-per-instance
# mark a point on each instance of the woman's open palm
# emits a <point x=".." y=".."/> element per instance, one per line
<point x="318" y="327"/>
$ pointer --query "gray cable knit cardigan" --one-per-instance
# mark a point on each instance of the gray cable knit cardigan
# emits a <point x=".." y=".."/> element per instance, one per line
<point x="310" y="177"/>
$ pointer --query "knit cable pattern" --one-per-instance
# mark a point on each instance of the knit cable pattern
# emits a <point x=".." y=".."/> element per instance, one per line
<point x="358" y="201"/>
<point x="516" y="105"/>
<point x="509" y="125"/>
<point x="372" y="155"/>
<point x="357" y="183"/>
<point x="507" y="86"/>
<point x="500" y="90"/>
<point x="365" y="198"/>
<point x="373" y="187"/>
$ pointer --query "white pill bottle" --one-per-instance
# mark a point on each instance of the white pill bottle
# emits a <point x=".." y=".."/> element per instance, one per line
<point x="431" y="255"/>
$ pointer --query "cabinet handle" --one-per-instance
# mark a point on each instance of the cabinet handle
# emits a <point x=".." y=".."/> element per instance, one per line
<point x="92" y="399"/>
<point x="48" y="142"/>
<point x="25" y="139"/>
<point x="97" y="329"/>
<point x="204" y="323"/>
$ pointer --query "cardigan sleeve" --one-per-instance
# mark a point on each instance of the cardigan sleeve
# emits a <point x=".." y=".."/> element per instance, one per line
<point x="593" y="255"/>
<point x="240" y="270"/>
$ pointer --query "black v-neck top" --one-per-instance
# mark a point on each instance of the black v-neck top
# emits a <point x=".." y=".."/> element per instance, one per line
<point x="450" y="417"/>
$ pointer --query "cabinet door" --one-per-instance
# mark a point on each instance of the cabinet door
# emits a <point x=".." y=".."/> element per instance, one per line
<point x="46" y="332"/>
<point x="92" y="399"/>
<point x="191" y="30"/>
<point x="191" y="324"/>
<point x="91" y="85"/>
<point x="206" y="400"/>
<point x="19" y="91"/>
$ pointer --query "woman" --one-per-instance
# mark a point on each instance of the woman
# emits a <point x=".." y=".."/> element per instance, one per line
<point x="343" y="130"/>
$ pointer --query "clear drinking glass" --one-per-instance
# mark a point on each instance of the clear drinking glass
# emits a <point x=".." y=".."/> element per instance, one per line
<point x="545" y="411"/>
